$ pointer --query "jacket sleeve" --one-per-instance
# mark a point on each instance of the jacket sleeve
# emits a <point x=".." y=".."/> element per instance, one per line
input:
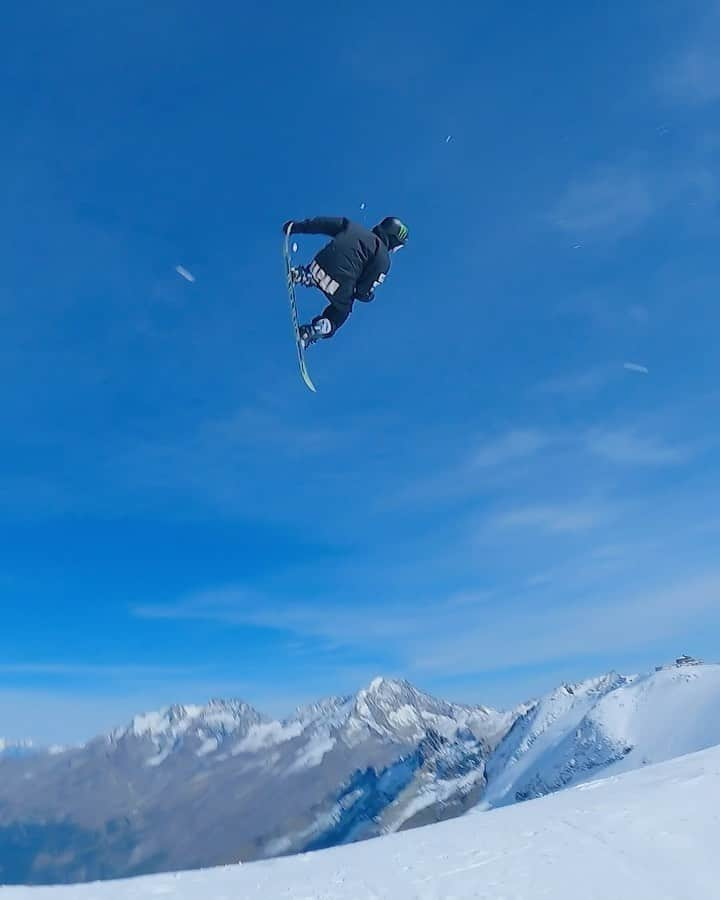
<point x="373" y="276"/>
<point x="320" y="225"/>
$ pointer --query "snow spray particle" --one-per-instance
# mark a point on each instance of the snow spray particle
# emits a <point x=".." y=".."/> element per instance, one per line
<point x="183" y="273"/>
<point x="634" y="367"/>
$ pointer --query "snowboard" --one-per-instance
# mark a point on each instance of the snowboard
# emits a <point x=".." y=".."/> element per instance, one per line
<point x="294" y="315"/>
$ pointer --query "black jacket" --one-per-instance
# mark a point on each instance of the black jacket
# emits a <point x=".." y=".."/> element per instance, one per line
<point x="357" y="259"/>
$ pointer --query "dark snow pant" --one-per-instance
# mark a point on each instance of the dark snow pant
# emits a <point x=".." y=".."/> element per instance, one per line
<point x="336" y="315"/>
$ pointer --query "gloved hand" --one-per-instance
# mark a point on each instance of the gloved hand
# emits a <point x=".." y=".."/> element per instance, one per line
<point x="287" y="227"/>
<point x="366" y="298"/>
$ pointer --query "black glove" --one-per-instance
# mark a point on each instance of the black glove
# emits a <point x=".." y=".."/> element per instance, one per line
<point x="366" y="298"/>
<point x="287" y="227"/>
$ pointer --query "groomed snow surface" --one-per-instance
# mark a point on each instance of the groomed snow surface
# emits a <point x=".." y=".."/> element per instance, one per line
<point x="652" y="834"/>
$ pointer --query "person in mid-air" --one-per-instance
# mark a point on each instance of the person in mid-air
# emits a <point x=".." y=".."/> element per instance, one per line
<point x="349" y="268"/>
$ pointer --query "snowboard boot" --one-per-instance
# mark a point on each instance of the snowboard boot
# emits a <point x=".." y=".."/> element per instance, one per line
<point x="317" y="329"/>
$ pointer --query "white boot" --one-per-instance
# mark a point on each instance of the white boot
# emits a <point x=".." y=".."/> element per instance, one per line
<point x="318" y="329"/>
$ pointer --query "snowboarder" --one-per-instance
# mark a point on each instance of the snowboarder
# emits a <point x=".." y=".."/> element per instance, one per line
<point x="349" y="268"/>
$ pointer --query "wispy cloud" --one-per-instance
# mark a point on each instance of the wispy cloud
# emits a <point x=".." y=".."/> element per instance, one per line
<point x="224" y="462"/>
<point x="609" y="201"/>
<point x="693" y="76"/>
<point x="507" y="452"/>
<point x="696" y="77"/>
<point x="592" y="379"/>
<point x="474" y="598"/>
<point x="509" y="447"/>
<point x="613" y="202"/>
<point x="234" y="605"/>
<point x="483" y="631"/>
<point x="563" y="519"/>
<point x="130" y="671"/>
<point x="634" y="448"/>
<point x="623" y="621"/>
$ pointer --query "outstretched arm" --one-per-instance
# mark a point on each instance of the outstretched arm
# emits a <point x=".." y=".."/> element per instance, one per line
<point x="320" y="225"/>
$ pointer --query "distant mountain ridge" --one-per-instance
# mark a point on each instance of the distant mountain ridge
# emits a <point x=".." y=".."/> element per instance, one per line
<point x="196" y="785"/>
<point x="15" y="748"/>
<point x="191" y="786"/>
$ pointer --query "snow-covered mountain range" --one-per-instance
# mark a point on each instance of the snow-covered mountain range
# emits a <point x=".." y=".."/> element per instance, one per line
<point x="646" y="835"/>
<point x="194" y="786"/>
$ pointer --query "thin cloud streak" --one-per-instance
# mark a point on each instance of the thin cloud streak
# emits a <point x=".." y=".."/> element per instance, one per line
<point x="592" y="379"/>
<point x="468" y="473"/>
<point x="612" y="201"/>
<point x="693" y="76"/>
<point x="501" y="632"/>
<point x="624" y="622"/>
<point x="567" y="519"/>
<point x="635" y="449"/>
<point x="509" y="448"/>
<point x="130" y="670"/>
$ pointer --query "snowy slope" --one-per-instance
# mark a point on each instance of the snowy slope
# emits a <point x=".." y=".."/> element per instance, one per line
<point x="534" y="737"/>
<point x="578" y="731"/>
<point x="647" y="835"/>
<point x="196" y="786"/>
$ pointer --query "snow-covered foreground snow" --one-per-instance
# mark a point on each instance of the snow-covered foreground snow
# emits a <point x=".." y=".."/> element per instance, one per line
<point x="652" y="834"/>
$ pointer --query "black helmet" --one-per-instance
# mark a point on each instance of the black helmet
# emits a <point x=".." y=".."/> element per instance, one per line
<point x="394" y="231"/>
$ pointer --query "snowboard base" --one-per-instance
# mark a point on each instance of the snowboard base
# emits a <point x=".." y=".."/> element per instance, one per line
<point x="305" y="375"/>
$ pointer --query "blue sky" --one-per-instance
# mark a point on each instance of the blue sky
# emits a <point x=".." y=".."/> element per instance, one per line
<point x="481" y="497"/>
